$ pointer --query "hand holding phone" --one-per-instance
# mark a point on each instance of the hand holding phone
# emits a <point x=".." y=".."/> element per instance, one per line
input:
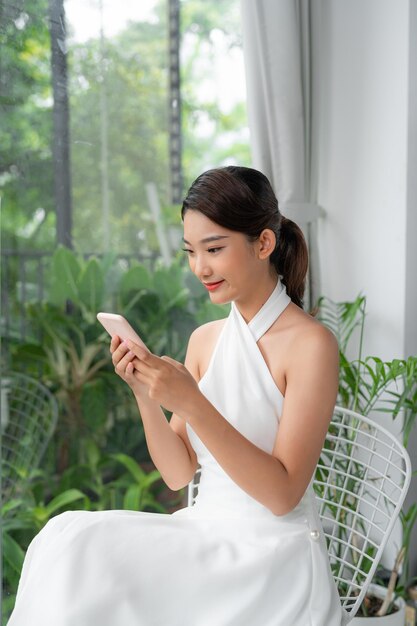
<point x="118" y="325"/>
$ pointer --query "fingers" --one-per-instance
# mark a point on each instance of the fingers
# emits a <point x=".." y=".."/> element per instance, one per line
<point x="124" y="365"/>
<point x="122" y="358"/>
<point x="173" y="362"/>
<point x="130" y="368"/>
<point x="126" y="362"/>
<point x="114" y="343"/>
<point x="119" y="350"/>
<point x="130" y="359"/>
<point x="144" y="355"/>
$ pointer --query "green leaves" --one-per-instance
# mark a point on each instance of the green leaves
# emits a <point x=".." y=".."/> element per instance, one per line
<point x="343" y="318"/>
<point x="367" y="384"/>
<point x="91" y="287"/>
<point x="138" y="495"/>
<point x="131" y="465"/>
<point x="370" y="380"/>
<point x="135" y="279"/>
<point x="169" y="285"/>
<point x="404" y="399"/>
<point x="77" y="281"/>
<point x="65" y="272"/>
<point x="12" y="552"/>
<point x="43" y="513"/>
<point x="94" y="404"/>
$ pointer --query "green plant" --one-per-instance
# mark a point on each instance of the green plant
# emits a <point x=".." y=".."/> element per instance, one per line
<point x="69" y="347"/>
<point x="114" y="481"/>
<point x="371" y="384"/>
<point x="137" y="485"/>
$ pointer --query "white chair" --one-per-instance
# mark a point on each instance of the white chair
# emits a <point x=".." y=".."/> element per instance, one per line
<point x="361" y="482"/>
<point x="29" y="414"/>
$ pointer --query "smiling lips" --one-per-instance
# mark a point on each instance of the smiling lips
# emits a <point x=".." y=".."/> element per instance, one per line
<point x="213" y="286"/>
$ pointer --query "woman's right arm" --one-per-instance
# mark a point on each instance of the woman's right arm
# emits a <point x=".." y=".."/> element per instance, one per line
<point x="168" y="443"/>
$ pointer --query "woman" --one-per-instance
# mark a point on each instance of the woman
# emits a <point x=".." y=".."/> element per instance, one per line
<point x="251" y="406"/>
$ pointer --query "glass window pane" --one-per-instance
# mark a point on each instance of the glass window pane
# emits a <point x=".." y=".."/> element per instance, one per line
<point x="26" y="173"/>
<point x="119" y="120"/>
<point x="118" y="115"/>
<point x="215" y="127"/>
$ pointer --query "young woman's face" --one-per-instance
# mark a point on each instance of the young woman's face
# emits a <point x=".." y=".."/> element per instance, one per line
<point x="223" y="260"/>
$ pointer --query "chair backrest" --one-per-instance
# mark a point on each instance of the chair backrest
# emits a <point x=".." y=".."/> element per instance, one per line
<point x="361" y="482"/>
<point x="28" y="417"/>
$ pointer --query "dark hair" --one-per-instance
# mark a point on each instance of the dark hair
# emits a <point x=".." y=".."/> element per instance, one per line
<point x="242" y="199"/>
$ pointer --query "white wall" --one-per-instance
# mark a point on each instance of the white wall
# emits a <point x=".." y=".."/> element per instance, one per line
<point x="411" y="274"/>
<point x="411" y="279"/>
<point x="366" y="110"/>
<point x="363" y="114"/>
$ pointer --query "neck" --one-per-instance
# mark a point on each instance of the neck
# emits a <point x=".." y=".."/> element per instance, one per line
<point x="249" y="305"/>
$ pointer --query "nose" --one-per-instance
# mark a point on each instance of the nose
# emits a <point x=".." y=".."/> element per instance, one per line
<point x="202" y="268"/>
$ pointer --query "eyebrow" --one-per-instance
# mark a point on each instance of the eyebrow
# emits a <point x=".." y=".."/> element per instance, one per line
<point x="209" y="239"/>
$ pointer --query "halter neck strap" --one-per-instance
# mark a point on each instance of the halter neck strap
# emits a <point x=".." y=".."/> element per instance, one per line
<point x="269" y="312"/>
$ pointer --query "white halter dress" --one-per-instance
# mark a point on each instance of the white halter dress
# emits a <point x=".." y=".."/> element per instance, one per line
<point x="225" y="561"/>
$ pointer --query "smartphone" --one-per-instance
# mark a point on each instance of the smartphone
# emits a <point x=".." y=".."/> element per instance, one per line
<point x="118" y="325"/>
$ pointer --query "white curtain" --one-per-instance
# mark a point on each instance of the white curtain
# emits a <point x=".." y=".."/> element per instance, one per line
<point x="281" y="65"/>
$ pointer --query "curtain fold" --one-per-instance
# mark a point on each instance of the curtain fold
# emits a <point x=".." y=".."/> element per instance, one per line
<point x="279" y="56"/>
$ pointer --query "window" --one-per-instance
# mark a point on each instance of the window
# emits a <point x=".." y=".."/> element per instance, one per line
<point x="113" y="70"/>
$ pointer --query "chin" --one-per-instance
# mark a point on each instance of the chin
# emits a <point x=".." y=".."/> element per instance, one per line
<point x="220" y="301"/>
<point x="221" y="298"/>
<point x="217" y="299"/>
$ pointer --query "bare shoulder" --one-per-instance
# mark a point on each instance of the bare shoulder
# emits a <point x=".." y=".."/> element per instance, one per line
<point x="202" y="342"/>
<point x="207" y="331"/>
<point x="307" y="336"/>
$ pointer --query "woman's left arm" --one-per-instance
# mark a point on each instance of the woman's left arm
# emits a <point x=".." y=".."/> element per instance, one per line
<point x="277" y="480"/>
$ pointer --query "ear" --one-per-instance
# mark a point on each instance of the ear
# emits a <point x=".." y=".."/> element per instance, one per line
<point x="266" y="242"/>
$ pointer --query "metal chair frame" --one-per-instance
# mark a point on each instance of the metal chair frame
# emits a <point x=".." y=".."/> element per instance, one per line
<point x="360" y="482"/>
<point x="29" y="413"/>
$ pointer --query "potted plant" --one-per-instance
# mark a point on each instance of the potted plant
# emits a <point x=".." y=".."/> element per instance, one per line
<point x="369" y="384"/>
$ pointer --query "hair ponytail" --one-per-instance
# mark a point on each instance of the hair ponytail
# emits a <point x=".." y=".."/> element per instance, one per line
<point x="290" y="259"/>
<point x="242" y="199"/>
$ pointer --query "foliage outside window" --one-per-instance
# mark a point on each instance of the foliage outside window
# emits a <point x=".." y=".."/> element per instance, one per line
<point x="117" y="84"/>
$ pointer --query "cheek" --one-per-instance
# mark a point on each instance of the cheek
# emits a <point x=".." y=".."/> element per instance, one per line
<point x="237" y="262"/>
<point x="243" y="267"/>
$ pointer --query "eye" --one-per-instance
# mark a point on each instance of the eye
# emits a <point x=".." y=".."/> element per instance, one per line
<point x="187" y="250"/>
<point x="214" y="250"/>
